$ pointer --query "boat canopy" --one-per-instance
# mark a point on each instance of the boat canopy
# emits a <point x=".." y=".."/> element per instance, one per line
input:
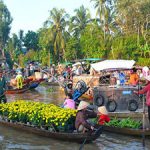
<point x="113" y="65"/>
<point x="78" y="63"/>
<point x="92" y="59"/>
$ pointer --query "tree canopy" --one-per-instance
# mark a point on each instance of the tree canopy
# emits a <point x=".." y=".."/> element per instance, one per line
<point x="120" y="30"/>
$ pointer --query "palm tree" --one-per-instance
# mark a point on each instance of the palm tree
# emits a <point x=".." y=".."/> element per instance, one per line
<point x="103" y="11"/>
<point x="57" y="22"/>
<point x="79" y="21"/>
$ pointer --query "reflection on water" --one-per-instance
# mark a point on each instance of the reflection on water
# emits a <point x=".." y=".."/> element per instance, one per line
<point x="47" y="94"/>
<point x="11" y="139"/>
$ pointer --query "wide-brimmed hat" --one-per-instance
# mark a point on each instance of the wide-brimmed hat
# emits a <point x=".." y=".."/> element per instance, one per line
<point x="83" y="105"/>
<point x="147" y="78"/>
<point x="103" y="110"/>
<point x="70" y="82"/>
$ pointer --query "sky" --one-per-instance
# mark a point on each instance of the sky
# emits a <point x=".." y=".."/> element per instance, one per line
<point x="31" y="14"/>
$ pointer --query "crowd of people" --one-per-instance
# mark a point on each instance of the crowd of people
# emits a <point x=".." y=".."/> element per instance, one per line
<point x="82" y="123"/>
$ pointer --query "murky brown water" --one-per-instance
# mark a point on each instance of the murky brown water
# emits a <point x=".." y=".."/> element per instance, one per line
<point x="11" y="139"/>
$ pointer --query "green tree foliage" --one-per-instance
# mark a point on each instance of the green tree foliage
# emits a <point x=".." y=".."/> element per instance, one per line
<point x="5" y="22"/>
<point x="79" y="21"/>
<point x="103" y="10"/>
<point x="57" y="22"/>
<point x="31" y="40"/>
<point x="72" y="51"/>
<point x="121" y="31"/>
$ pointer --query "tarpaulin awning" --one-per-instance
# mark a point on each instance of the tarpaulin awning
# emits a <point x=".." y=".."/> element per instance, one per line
<point x="113" y="64"/>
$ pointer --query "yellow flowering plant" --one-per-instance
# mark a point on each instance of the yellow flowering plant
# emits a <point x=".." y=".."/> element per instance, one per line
<point x="39" y="114"/>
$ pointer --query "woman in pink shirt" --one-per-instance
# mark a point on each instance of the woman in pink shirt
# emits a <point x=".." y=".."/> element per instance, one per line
<point x="146" y="90"/>
<point x="69" y="102"/>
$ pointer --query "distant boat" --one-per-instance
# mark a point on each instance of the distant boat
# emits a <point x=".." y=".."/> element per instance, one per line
<point x="17" y="91"/>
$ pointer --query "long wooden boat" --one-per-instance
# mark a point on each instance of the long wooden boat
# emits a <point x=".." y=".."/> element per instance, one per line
<point x="127" y="131"/>
<point x="35" y="83"/>
<point x="74" y="137"/>
<point x="16" y="91"/>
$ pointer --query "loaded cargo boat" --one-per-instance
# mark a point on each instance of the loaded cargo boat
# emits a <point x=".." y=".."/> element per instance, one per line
<point x="132" y="124"/>
<point x="43" y="119"/>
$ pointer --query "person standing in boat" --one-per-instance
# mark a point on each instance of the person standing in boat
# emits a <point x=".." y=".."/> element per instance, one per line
<point x="103" y="115"/>
<point x="2" y="88"/>
<point x="19" y="79"/>
<point x="146" y="90"/>
<point x="134" y="78"/>
<point x="83" y="114"/>
<point x="32" y="68"/>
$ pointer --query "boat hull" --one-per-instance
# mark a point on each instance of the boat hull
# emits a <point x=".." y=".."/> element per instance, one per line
<point x="34" y="85"/>
<point x="127" y="131"/>
<point x="73" y="137"/>
<point x="16" y="91"/>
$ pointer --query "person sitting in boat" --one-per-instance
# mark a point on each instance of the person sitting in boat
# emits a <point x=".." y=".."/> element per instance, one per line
<point x="69" y="102"/>
<point x="83" y="114"/>
<point x="2" y="88"/>
<point x="19" y="79"/>
<point x="113" y="81"/>
<point x="103" y="115"/>
<point x="134" y="78"/>
<point x="69" y="87"/>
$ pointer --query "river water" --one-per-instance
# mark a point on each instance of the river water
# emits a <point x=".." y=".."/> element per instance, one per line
<point x="12" y="139"/>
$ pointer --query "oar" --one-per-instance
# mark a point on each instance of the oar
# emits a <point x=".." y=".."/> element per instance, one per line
<point x="143" y="121"/>
<point x="81" y="147"/>
<point x="60" y="84"/>
<point x="143" y="133"/>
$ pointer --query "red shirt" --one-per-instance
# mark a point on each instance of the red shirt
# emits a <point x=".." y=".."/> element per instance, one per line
<point x="103" y="118"/>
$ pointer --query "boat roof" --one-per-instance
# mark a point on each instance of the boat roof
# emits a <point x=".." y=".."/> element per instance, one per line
<point x="113" y="65"/>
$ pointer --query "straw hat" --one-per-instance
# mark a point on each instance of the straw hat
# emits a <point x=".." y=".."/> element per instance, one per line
<point x="83" y="105"/>
<point x="103" y="110"/>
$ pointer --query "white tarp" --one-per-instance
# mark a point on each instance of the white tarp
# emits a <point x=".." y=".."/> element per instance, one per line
<point x="113" y="64"/>
<point x="78" y="63"/>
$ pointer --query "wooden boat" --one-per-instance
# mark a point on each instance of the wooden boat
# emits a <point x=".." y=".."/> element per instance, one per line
<point x="35" y="83"/>
<point x="127" y="131"/>
<point x="74" y="137"/>
<point x="17" y="91"/>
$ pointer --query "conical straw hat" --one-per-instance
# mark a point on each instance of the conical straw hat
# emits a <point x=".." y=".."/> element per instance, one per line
<point x="103" y="110"/>
<point x="83" y="105"/>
